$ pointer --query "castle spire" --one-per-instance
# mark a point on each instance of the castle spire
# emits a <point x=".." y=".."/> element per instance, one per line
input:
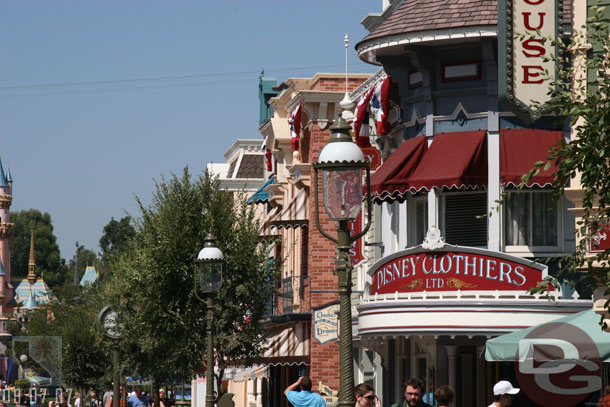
<point x="3" y="181"/>
<point x="32" y="262"/>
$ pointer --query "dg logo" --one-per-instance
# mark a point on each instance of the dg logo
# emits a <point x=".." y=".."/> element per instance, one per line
<point x="558" y="364"/>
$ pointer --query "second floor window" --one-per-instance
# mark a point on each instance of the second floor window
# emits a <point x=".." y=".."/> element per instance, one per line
<point x="531" y="219"/>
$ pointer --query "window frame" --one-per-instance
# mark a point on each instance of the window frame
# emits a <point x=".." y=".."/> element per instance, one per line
<point x="527" y="250"/>
<point x="412" y="201"/>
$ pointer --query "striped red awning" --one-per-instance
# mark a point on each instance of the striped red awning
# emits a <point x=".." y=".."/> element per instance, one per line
<point x="389" y="182"/>
<point x="520" y="149"/>
<point x="454" y="160"/>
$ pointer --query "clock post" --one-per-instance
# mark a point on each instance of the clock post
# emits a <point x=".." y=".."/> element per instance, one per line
<point x="107" y="324"/>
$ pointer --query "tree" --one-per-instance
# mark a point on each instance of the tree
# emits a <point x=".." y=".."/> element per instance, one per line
<point x="581" y="93"/>
<point x="117" y="235"/>
<point x="153" y="279"/>
<point x="48" y="259"/>
<point x="85" y="360"/>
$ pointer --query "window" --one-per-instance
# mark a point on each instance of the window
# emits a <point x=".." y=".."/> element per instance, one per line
<point x="464" y="221"/>
<point x="531" y="219"/>
<point x="418" y="216"/>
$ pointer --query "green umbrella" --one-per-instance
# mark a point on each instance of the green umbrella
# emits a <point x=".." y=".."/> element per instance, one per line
<point x="577" y="332"/>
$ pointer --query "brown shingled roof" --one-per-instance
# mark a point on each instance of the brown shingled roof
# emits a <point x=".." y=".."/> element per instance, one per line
<point x="251" y="166"/>
<point x="426" y="15"/>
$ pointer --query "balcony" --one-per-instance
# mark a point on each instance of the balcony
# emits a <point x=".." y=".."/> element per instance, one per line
<point x="292" y="300"/>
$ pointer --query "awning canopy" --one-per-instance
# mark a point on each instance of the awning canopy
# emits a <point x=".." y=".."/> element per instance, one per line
<point x="260" y="196"/>
<point x="520" y="149"/>
<point x="287" y="345"/>
<point x="539" y="342"/>
<point x="241" y="373"/>
<point x="454" y="160"/>
<point x="389" y="182"/>
<point x="295" y="214"/>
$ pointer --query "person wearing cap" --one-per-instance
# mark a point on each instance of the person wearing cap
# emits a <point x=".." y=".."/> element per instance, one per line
<point x="504" y="393"/>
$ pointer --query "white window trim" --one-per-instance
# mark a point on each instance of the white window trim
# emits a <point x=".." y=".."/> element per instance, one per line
<point x="533" y="251"/>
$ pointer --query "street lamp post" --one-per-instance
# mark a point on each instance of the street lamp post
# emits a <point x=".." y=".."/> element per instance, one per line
<point x="208" y="279"/>
<point x="342" y="164"/>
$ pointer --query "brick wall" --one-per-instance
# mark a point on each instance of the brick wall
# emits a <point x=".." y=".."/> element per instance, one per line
<point x="324" y="357"/>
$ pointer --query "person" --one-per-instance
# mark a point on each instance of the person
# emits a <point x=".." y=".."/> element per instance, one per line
<point x="504" y="394"/>
<point x="37" y="402"/>
<point x="51" y="403"/>
<point x="365" y="396"/>
<point x="106" y="396"/>
<point x="605" y="401"/>
<point x="94" y="401"/>
<point x="64" y="400"/>
<point x="163" y="401"/>
<point x="110" y="401"/>
<point x="304" y="397"/>
<point x="138" y="399"/>
<point x="444" y="396"/>
<point x="413" y="392"/>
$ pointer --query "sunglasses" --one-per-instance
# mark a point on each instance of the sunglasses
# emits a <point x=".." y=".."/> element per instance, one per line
<point x="370" y="398"/>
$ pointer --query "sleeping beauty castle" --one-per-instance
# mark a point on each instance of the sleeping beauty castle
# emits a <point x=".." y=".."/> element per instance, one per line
<point x="6" y="233"/>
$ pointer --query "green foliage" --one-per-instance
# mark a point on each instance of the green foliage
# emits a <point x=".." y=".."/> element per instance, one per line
<point x="48" y="260"/>
<point x="117" y="235"/>
<point x="586" y="104"/>
<point x="85" y="361"/>
<point x="153" y="279"/>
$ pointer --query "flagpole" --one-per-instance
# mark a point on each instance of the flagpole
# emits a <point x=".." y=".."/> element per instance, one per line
<point x="346" y="103"/>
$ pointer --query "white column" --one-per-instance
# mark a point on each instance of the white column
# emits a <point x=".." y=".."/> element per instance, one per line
<point x="493" y="190"/>
<point x="451" y="365"/>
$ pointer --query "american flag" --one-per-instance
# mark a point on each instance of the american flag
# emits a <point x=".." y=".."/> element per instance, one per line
<point x="295" y="126"/>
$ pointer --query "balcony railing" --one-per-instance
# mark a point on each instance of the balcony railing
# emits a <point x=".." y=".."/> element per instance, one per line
<point x="291" y="297"/>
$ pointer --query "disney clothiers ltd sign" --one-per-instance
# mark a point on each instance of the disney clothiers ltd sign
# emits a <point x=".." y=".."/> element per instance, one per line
<point x="453" y="268"/>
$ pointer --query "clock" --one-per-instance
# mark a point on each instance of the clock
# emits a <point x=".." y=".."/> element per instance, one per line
<point x="107" y="323"/>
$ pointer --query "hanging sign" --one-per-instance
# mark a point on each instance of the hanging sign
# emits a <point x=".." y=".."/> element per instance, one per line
<point x="451" y="269"/>
<point x="356" y="253"/>
<point x="600" y="240"/>
<point x="373" y="156"/>
<point x="325" y="323"/>
<point x="526" y="29"/>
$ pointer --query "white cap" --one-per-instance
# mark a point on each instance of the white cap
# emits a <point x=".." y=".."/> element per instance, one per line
<point x="504" y="387"/>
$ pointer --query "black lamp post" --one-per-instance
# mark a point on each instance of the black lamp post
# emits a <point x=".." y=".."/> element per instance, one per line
<point x="208" y="279"/>
<point x="342" y="164"/>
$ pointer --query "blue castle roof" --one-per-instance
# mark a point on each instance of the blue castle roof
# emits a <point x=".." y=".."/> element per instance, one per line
<point x="89" y="277"/>
<point x="41" y="294"/>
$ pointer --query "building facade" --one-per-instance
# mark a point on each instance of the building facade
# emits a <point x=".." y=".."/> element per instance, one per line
<point x="459" y="245"/>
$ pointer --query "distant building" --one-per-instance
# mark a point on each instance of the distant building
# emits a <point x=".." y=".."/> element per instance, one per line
<point x="6" y="233"/>
<point x="90" y="276"/>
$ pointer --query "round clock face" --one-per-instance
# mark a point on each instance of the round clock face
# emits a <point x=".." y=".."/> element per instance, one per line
<point x="109" y="324"/>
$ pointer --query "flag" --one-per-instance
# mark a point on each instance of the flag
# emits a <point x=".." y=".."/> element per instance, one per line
<point x="295" y="126"/>
<point x="361" y="115"/>
<point x="380" y="104"/>
<point x="267" y="155"/>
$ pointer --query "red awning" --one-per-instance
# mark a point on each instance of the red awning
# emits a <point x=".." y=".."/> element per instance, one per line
<point x="389" y="182"/>
<point x="520" y="149"/>
<point x="453" y="160"/>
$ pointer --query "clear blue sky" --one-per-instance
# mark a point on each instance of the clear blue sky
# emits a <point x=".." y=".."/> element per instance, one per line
<point x="100" y="98"/>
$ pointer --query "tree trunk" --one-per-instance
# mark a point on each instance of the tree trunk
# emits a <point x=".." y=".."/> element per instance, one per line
<point x="156" y="392"/>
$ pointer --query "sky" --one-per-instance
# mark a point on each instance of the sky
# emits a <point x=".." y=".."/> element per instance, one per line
<point x="98" y="99"/>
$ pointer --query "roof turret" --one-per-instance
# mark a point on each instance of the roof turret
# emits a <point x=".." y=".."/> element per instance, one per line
<point x="3" y="181"/>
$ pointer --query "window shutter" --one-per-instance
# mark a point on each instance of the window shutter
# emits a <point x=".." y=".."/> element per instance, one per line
<point x="462" y="227"/>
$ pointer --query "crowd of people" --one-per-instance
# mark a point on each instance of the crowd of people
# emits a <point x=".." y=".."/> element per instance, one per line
<point x="299" y="394"/>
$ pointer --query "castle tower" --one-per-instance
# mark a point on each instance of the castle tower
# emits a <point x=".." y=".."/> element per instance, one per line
<point x="6" y="233"/>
